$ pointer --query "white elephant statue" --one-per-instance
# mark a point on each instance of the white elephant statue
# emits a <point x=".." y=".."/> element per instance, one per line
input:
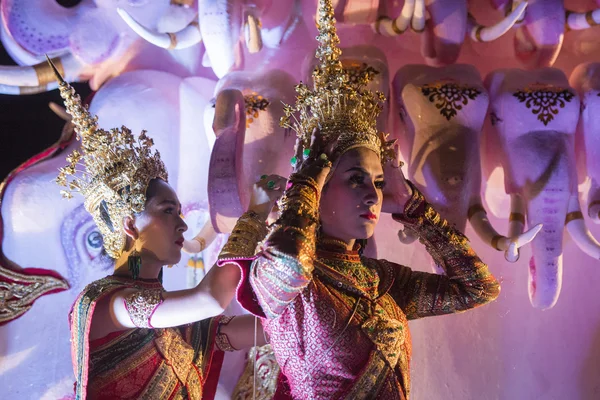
<point x="250" y="143"/>
<point x="442" y="111"/>
<point x="586" y="80"/>
<point x="88" y="42"/>
<point x="533" y="119"/>
<point x="222" y="24"/>
<point x="42" y="230"/>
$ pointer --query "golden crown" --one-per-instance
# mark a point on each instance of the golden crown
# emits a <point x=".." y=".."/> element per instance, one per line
<point x="339" y="105"/>
<point x="118" y="169"/>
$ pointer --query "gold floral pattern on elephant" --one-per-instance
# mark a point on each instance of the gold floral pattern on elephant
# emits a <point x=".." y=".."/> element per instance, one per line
<point x="262" y="359"/>
<point x="545" y="101"/>
<point x="254" y="103"/>
<point x="358" y="72"/>
<point x="449" y="97"/>
<point x="19" y="291"/>
<point x="387" y="335"/>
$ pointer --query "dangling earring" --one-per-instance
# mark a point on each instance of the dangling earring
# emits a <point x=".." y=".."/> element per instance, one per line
<point x="363" y="245"/>
<point x="134" y="262"/>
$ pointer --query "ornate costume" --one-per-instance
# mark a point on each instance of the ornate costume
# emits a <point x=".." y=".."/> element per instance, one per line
<point x="141" y="363"/>
<point x="337" y="321"/>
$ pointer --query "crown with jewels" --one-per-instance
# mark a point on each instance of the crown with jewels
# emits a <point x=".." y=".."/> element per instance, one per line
<point x="339" y="105"/>
<point x="118" y="169"/>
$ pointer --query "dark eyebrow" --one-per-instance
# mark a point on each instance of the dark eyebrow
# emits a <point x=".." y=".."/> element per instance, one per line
<point x="364" y="171"/>
<point x="170" y="202"/>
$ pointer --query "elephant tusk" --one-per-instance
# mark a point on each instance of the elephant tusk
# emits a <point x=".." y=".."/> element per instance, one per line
<point x="23" y="90"/>
<point x="388" y="27"/>
<point x="511" y="6"/>
<point x="187" y="37"/>
<point x="480" y="33"/>
<point x="252" y="34"/>
<point x="575" y="225"/>
<point x="38" y="78"/>
<point x="407" y="236"/>
<point x="577" y="21"/>
<point x="60" y="111"/>
<point x="418" y="18"/>
<point x="478" y="219"/>
<point x="511" y="251"/>
<point x="594" y="211"/>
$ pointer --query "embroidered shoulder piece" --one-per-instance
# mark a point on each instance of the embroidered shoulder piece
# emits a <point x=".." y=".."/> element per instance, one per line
<point x="141" y="306"/>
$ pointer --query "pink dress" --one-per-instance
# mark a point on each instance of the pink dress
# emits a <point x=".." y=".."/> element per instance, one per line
<point x="339" y="324"/>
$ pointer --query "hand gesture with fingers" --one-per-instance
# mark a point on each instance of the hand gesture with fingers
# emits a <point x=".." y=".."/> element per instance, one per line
<point x="397" y="191"/>
<point x="265" y="193"/>
<point x="314" y="160"/>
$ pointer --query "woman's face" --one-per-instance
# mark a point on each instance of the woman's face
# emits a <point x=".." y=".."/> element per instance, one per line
<point x="160" y="225"/>
<point x="351" y="200"/>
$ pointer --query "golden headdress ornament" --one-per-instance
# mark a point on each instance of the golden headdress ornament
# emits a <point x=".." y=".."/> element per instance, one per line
<point x="118" y="169"/>
<point x="339" y="105"/>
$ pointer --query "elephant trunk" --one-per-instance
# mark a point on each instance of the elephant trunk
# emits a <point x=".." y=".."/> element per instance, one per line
<point x="545" y="267"/>
<point x="538" y="41"/>
<point x="220" y="24"/>
<point x="444" y="32"/>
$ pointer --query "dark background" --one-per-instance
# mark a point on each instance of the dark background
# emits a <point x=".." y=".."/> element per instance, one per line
<point x="27" y="125"/>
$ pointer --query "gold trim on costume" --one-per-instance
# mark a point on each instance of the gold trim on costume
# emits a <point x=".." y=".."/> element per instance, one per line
<point x="141" y="305"/>
<point x="261" y="358"/>
<point x="19" y="291"/>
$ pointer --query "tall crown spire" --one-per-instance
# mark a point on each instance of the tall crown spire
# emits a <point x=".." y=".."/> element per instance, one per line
<point x="117" y="170"/>
<point x="340" y="107"/>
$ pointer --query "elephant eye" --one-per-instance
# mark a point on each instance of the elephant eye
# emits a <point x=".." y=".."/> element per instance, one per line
<point x="94" y="240"/>
<point x="68" y="3"/>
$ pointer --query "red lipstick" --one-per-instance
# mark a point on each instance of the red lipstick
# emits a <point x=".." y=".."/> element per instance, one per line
<point x="369" y="215"/>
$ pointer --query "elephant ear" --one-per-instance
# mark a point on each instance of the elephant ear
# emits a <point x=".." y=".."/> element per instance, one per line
<point x="225" y="201"/>
<point x="38" y="27"/>
<point x="94" y="38"/>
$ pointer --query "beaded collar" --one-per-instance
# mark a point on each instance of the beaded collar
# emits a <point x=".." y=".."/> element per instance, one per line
<point x="345" y="269"/>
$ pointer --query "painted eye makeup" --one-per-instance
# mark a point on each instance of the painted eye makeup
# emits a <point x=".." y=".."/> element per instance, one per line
<point x="357" y="179"/>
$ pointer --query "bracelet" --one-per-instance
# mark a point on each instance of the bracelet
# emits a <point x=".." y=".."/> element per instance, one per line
<point x="141" y="306"/>
<point x="222" y="340"/>
<point x="248" y="231"/>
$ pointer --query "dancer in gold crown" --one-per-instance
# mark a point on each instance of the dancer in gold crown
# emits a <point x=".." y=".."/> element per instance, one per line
<point x="338" y="321"/>
<point x="130" y="338"/>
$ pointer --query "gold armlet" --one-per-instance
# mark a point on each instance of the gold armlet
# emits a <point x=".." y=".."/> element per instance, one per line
<point x="141" y="306"/>
<point x="222" y="340"/>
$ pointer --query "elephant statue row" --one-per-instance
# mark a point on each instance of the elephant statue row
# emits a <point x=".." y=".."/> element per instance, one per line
<point x="95" y="40"/>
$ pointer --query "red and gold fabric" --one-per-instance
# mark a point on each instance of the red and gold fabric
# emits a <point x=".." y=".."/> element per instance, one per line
<point x="171" y="363"/>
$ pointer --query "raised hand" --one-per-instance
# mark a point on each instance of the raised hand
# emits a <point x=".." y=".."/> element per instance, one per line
<point x="265" y="193"/>
<point x="396" y="191"/>
<point x="314" y="160"/>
